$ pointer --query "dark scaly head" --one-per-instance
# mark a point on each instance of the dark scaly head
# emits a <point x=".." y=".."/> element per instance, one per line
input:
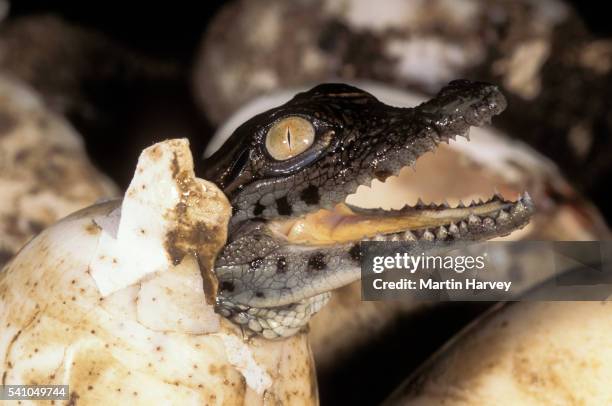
<point x="288" y="171"/>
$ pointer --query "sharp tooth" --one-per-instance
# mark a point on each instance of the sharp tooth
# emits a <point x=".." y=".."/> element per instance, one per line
<point x="463" y="227"/>
<point x="408" y="236"/>
<point x="527" y="198"/>
<point x="474" y="220"/>
<point x="453" y="229"/>
<point x="428" y="236"/>
<point x="517" y="208"/>
<point x="497" y="195"/>
<point x="378" y="237"/>
<point x="445" y="204"/>
<point x="461" y="205"/>
<point x="420" y="203"/>
<point x="442" y="233"/>
<point x="395" y="237"/>
<point x="503" y="216"/>
<point x="488" y="222"/>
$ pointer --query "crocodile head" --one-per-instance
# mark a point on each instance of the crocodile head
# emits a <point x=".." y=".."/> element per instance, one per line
<point x="288" y="171"/>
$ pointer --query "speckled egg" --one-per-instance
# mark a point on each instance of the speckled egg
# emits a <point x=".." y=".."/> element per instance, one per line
<point x="116" y="302"/>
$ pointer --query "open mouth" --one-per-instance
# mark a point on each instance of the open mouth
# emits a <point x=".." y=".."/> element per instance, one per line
<point x="429" y="222"/>
<point x="296" y="237"/>
<point x="347" y="222"/>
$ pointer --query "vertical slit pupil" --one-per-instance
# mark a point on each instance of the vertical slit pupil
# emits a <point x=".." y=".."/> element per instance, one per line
<point x="288" y="135"/>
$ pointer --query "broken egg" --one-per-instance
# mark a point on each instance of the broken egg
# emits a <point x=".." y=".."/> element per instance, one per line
<point x="115" y="301"/>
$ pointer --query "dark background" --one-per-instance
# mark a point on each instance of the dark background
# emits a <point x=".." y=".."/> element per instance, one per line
<point x="166" y="29"/>
<point x="171" y="32"/>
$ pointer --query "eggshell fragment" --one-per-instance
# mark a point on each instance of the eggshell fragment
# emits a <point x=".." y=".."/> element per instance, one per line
<point x="154" y="338"/>
<point x="172" y="301"/>
<point x="164" y="188"/>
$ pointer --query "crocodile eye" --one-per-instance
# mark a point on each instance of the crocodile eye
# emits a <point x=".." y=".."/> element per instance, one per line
<point x="289" y="137"/>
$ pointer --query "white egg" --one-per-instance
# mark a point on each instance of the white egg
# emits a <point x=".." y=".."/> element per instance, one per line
<point x="111" y="301"/>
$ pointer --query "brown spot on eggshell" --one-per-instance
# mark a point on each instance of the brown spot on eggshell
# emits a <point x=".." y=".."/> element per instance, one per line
<point x="194" y="232"/>
<point x="155" y="153"/>
<point x="72" y="400"/>
<point x="92" y="228"/>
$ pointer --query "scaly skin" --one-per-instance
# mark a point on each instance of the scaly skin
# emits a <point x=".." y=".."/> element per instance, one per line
<point x="273" y="280"/>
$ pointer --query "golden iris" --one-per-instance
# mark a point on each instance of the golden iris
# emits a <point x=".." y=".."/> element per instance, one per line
<point x="289" y="137"/>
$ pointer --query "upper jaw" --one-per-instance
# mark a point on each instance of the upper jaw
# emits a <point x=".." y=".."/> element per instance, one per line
<point x="457" y="107"/>
<point x="413" y="132"/>
<point x="465" y="102"/>
<point x="410" y="133"/>
<point x="376" y="141"/>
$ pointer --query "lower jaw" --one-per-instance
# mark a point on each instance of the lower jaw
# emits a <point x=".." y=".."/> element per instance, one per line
<point x="345" y="224"/>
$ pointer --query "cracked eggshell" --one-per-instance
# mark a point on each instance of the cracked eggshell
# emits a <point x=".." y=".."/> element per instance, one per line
<point x="44" y="170"/>
<point x="152" y="337"/>
<point x="527" y="353"/>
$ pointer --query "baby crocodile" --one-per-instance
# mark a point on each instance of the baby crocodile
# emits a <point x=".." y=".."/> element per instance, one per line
<point x="292" y="238"/>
